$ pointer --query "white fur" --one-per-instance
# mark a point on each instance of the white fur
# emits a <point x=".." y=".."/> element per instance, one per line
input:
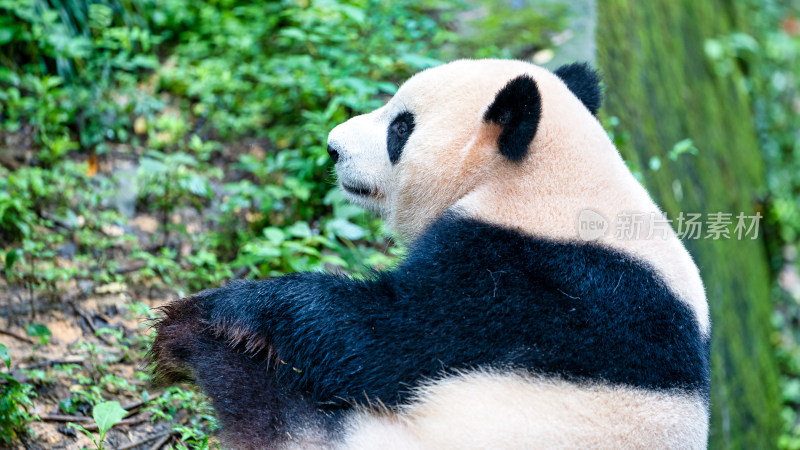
<point x="486" y="410"/>
<point x="513" y="411"/>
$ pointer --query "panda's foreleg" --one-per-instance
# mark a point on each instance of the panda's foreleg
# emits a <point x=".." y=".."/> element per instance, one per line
<point x="365" y="342"/>
<point x="315" y="329"/>
<point x="255" y="411"/>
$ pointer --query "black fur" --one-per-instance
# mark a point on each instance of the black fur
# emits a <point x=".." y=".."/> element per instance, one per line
<point x="256" y="410"/>
<point x="584" y="82"/>
<point x="397" y="135"/>
<point x="469" y="295"/>
<point x="517" y="108"/>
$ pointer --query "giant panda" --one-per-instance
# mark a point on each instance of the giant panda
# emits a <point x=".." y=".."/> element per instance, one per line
<point x="503" y="327"/>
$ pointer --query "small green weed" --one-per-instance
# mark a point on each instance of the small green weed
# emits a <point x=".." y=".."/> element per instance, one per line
<point x="16" y="399"/>
<point x="105" y="415"/>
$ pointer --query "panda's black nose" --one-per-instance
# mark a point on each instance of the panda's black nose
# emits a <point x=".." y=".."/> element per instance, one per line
<point x="334" y="154"/>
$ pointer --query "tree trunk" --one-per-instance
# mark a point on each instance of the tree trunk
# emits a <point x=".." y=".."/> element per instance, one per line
<point x="663" y="89"/>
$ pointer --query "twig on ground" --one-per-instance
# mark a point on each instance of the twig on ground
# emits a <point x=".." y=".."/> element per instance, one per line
<point x="132" y="408"/>
<point x="89" y="322"/>
<point x="181" y="417"/>
<point x="56" y="221"/>
<point x="86" y="318"/>
<point x="161" y="442"/>
<point x="66" y="418"/>
<point x="53" y="362"/>
<point x="25" y="443"/>
<point x="90" y="426"/>
<point x="146" y="440"/>
<point x="132" y="267"/>
<point x="16" y="336"/>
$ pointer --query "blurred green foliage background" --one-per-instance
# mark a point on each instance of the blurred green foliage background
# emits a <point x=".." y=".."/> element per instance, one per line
<point x="171" y="145"/>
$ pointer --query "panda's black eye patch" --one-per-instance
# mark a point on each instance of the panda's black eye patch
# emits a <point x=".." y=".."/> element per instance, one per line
<point x="399" y="131"/>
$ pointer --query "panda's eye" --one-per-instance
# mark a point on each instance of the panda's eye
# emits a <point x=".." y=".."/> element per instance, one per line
<point x="400" y="128"/>
<point x="399" y="131"/>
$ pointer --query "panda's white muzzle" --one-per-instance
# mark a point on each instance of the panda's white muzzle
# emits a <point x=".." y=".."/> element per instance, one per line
<point x="358" y="147"/>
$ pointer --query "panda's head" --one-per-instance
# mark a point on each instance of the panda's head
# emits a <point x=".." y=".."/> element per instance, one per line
<point x="449" y="129"/>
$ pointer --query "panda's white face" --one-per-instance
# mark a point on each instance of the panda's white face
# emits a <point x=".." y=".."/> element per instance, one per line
<point x="422" y="151"/>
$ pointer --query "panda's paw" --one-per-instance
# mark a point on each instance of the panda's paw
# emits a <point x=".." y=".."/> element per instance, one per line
<point x="240" y="313"/>
<point x="244" y="337"/>
<point x="230" y="319"/>
<point x="180" y="331"/>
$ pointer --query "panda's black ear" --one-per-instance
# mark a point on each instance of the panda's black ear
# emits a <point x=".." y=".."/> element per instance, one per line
<point x="584" y="82"/>
<point x="517" y="108"/>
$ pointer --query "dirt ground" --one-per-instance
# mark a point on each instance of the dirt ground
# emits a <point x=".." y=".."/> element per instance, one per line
<point x="73" y="321"/>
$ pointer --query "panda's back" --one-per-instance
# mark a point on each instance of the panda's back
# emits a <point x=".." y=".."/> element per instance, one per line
<point x="578" y="346"/>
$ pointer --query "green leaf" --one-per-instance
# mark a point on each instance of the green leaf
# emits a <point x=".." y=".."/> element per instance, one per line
<point x="12" y="256"/>
<point x="274" y="235"/>
<point x="713" y="49"/>
<point x="347" y="211"/>
<point x="38" y="330"/>
<point x="299" y="229"/>
<point x="107" y="415"/>
<point x="5" y="355"/>
<point x="335" y="260"/>
<point x="151" y="166"/>
<point x="744" y="41"/>
<point x="655" y="163"/>
<point x="357" y="15"/>
<point x="681" y="147"/>
<point x="419" y="62"/>
<point x="83" y="430"/>
<point x="345" y="229"/>
<point x="199" y="186"/>
<point x="6" y="35"/>
<point x="100" y="16"/>
<point x="294" y="33"/>
<point x="385" y="86"/>
<point x="10" y="380"/>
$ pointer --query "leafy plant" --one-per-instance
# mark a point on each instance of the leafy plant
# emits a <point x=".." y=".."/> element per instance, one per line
<point x="105" y="415"/>
<point x="15" y="401"/>
<point x="201" y="418"/>
<point x="40" y="332"/>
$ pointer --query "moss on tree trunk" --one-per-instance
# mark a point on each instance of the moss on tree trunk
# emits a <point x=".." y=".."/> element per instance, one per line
<point x="663" y="89"/>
